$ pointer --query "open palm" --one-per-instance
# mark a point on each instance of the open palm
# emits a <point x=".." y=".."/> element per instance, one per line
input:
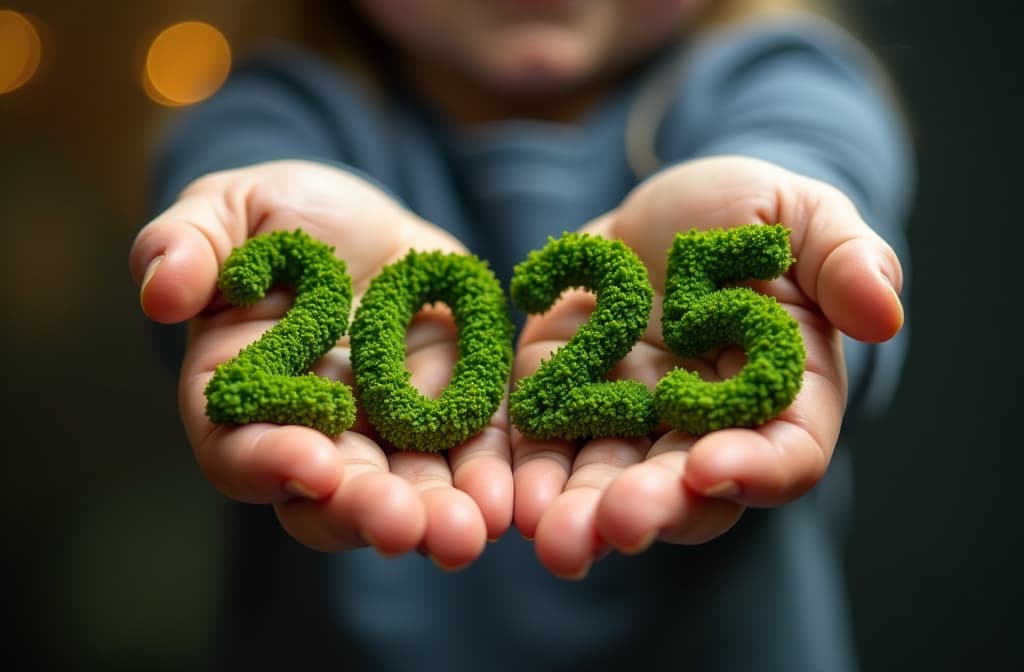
<point x="329" y="493"/>
<point x="577" y="501"/>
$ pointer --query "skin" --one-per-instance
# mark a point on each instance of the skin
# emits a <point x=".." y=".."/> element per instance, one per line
<point x="481" y="60"/>
<point x="576" y="502"/>
<point x="329" y="494"/>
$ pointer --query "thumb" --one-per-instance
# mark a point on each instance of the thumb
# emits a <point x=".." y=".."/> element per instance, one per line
<point x="858" y="290"/>
<point x="175" y="259"/>
<point x="842" y="264"/>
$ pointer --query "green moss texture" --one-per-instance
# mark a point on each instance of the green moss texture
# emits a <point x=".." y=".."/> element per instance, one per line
<point x="567" y="397"/>
<point x="701" y="311"/>
<point x="267" y="381"/>
<point x="400" y="413"/>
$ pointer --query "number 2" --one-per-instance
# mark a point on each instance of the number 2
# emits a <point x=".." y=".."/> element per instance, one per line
<point x="566" y="397"/>
<point x="262" y="384"/>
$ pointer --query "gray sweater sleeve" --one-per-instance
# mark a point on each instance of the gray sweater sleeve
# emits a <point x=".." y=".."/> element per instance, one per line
<point x="806" y="97"/>
<point x="284" y="104"/>
<point x="800" y="96"/>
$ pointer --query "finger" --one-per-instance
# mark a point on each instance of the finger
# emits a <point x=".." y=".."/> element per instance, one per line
<point x="842" y="264"/>
<point x="858" y="290"/>
<point x="175" y="259"/>
<point x="540" y="467"/>
<point x="566" y="538"/>
<point x="213" y="342"/>
<point x="455" y="530"/>
<point x="250" y="463"/>
<point x="780" y="460"/>
<point x="567" y="541"/>
<point x="482" y="469"/>
<point x="649" y="501"/>
<point x="772" y="464"/>
<point x="540" y="470"/>
<point x="371" y="507"/>
<point x="263" y="463"/>
<point x="768" y="466"/>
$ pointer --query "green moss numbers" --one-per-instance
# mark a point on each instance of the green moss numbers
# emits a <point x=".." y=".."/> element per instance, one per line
<point x="262" y="384"/>
<point x="700" y="313"/>
<point x="566" y="398"/>
<point x="401" y="414"/>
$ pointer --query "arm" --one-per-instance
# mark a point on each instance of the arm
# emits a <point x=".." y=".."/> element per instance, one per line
<point x="330" y="493"/>
<point x="285" y="105"/>
<point x="680" y="488"/>
<point x="804" y="96"/>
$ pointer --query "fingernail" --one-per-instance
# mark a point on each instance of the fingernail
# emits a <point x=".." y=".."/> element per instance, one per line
<point x="299" y="489"/>
<point x="642" y="544"/>
<point x="372" y="543"/>
<point x="891" y="276"/>
<point x="446" y="567"/>
<point x="725" y="489"/>
<point x="899" y="306"/>
<point x="150" y="270"/>
<point x="578" y="576"/>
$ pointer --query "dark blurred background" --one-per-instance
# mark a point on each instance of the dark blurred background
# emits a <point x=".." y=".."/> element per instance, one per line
<point x="112" y="541"/>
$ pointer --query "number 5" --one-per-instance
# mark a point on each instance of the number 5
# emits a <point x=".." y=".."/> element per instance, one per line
<point x="700" y="313"/>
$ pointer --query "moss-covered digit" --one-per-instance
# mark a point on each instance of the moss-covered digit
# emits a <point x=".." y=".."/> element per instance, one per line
<point x="700" y="313"/>
<point x="567" y="397"/>
<point x="263" y="383"/>
<point x="399" y="412"/>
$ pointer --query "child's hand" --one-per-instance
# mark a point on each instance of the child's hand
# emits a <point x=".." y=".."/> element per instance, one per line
<point x="330" y="494"/>
<point x="625" y="494"/>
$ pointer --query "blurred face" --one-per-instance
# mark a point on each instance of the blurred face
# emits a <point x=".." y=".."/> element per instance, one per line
<point x="529" y="46"/>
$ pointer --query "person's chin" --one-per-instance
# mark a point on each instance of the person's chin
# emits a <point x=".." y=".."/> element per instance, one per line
<point x="538" y="63"/>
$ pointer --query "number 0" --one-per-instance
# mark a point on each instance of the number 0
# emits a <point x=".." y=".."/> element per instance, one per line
<point x="402" y="415"/>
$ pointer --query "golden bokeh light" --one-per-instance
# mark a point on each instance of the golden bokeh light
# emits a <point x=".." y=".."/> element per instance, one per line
<point x="20" y="50"/>
<point x="186" y="63"/>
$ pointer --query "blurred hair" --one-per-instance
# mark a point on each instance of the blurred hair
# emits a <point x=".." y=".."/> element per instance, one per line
<point x="724" y="13"/>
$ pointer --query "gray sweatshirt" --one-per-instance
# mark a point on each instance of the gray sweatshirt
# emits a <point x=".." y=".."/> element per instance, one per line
<point x="769" y="594"/>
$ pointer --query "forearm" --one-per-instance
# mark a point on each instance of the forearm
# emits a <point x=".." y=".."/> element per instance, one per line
<point x="284" y="106"/>
<point x="803" y="96"/>
<point x="807" y="98"/>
